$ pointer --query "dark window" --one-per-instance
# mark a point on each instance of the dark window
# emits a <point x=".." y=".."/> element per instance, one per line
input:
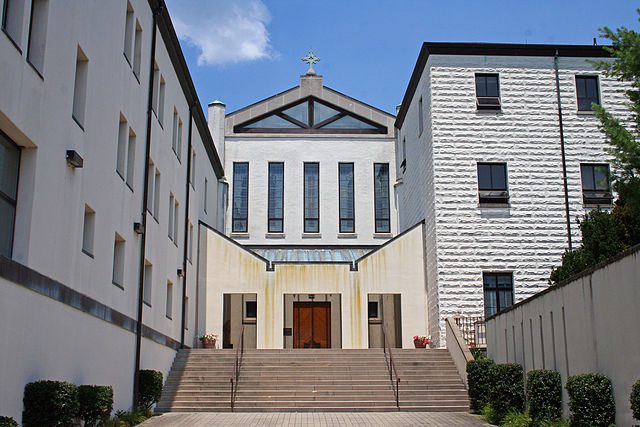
<point x="250" y="309"/>
<point x="12" y="20"/>
<point x="240" y="209"/>
<point x="9" y="163"/>
<point x="587" y="92"/>
<point x="311" y="198"/>
<point x="373" y="310"/>
<point x="498" y="292"/>
<point x="492" y="183"/>
<point x="596" y="188"/>
<point x="420" y="119"/>
<point x="487" y="92"/>
<point x="347" y="213"/>
<point x="381" y="192"/>
<point x="276" y="198"/>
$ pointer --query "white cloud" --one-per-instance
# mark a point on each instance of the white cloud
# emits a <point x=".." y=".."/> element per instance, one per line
<point x="224" y="31"/>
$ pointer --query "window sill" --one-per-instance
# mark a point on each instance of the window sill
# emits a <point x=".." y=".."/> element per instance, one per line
<point x="585" y="113"/>
<point x="33" y="67"/>
<point x="311" y="236"/>
<point x="347" y="236"/>
<point x="382" y="235"/>
<point x="130" y="187"/>
<point x="118" y="285"/>
<point x="147" y="304"/>
<point x="127" y="59"/>
<point x="80" y="125"/>
<point x="87" y="253"/>
<point x="375" y="321"/>
<point x="249" y="321"/>
<point x="489" y="111"/>
<point x="239" y="235"/>
<point x="169" y="317"/>
<point x="493" y="205"/>
<point x="598" y="205"/>
<point x="137" y="77"/>
<point x="12" y="41"/>
<point x="274" y="236"/>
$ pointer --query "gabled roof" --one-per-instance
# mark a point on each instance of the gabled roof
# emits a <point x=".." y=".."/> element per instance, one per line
<point x="309" y="108"/>
<point x="490" y="49"/>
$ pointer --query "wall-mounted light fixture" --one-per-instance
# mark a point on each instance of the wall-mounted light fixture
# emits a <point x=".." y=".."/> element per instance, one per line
<point x="138" y="228"/>
<point x="180" y="272"/>
<point x="74" y="159"/>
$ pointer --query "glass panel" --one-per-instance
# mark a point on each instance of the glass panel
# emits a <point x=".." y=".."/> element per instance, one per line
<point x="381" y="192"/>
<point x="346" y="197"/>
<point x="587" y="92"/>
<point x="587" y="177"/>
<point x="272" y="122"/>
<point x="348" y="122"/>
<point x="498" y="177"/>
<point x="346" y="226"/>
<point x="7" y="216"/>
<point x="481" y="86"/>
<point x="373" y="309"/>
<point x="240" y="196"/>
<point x="321" y="112"/>
<point x="9" y="161"/>
<point x="492" y="86"/>
<point x="311" y="197"/>
<point x="484" y="177"/>
<point x="490" y="281"/>
<point x="276" y="195"/>
<point x="601" y="177"/>
<point x="311" y="226"/>
<point x="299" y="112"/>
<point x="504" y="281"/>
<point x="275" y="226"/>
<point x="251" y="309"/>
<point x="490" y="303"/>
<point x="506" y="299"/>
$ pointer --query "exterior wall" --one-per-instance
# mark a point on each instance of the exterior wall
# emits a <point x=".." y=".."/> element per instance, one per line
<point x="529" y="236"/>
<point x="395" y="268"/>
<point x="294" y="151"/>
<point x="36" y="113"/>
<point x="578" y="327"/>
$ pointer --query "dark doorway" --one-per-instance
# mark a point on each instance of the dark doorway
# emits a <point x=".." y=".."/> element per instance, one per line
<point x="311" y="325"/>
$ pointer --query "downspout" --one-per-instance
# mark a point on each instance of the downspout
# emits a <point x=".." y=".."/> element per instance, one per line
<point x="186" y="227"/>
<point x="145" y="191"/>
<point x="564" y="160"/>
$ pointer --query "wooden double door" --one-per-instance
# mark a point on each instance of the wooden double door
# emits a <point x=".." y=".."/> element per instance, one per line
<point x="311" y="325"/>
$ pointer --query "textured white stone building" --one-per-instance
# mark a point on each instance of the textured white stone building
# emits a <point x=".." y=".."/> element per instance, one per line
<point x="104" y="85"/>
<point x="499" y="151"/>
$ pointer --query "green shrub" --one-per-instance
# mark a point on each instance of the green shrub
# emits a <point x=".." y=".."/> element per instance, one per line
<point x="635" y="400"/>
<point x="479" y="380"/>
<point x="128" y="418"/>
<point x="489" y="415"/>
<point x="506" y="393"/>
<point x="544" y="394"/>
<point x="8" y="422"/>
<point x="96" y="403"/>
<point x="516" y="419"/>
<point x="591" y="400"/>
<point x="150" y="388"/>
<point x="50" y="403"/>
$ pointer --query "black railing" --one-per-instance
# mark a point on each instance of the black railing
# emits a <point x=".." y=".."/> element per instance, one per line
<point x="236" y="369"/>
<point x="473" y="330"/>
<point x="388" y="357"/>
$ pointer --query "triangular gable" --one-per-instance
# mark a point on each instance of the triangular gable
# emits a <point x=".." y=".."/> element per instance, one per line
<point x="310" y="115"/>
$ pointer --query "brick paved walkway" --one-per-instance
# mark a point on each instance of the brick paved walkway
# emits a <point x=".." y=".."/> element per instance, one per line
<point x="342" y="419"/>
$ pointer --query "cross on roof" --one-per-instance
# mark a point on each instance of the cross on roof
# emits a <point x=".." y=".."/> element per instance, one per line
<point x="311" y="59"/>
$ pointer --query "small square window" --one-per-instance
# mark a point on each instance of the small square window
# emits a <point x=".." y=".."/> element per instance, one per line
<point x="373" y="310"/>
<point x="587" y="92"/>
<point x="596" y="188"/>
<point x="492" y="183"/>
<point x="487" y="92"/>
<point x="250" y="309"/>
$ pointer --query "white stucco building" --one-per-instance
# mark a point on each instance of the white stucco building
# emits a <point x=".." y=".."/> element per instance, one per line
<point x="488" y="134"/>
<point x="104" y="85"/>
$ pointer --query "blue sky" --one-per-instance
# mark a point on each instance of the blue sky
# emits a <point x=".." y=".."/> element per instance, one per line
<point x="241" y="51"/>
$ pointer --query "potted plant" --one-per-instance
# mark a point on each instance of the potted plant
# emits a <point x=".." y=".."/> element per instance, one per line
<point x="421" y="341"/>
<point x="209" y="340"/>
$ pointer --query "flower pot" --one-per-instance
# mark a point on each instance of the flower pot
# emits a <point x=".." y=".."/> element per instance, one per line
<point x="419" y="344"/>
<point x="209" y="343"/>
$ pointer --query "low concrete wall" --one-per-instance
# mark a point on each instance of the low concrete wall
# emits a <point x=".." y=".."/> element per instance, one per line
<point x="590" y="324"/>
<point x="458" y="349"/>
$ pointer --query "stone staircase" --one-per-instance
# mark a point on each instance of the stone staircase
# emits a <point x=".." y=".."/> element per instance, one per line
<point x="313" y="380"/>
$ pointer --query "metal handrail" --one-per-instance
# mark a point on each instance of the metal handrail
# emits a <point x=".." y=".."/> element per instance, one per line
<point x="395" y="385"/>
<point x="236" y="369"/>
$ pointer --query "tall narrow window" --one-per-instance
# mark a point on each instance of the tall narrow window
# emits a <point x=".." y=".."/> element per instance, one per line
<point x="169" y="306"/>
<point x="347" y="209"/>
<point x="186" y="313"/>
<point x="156" y="86"/>
<point x="9" y="166"/>
<point x="239" y="214"/>
<point x="128" y="33"/>
<point x="12" y="20"/>
<point x="498" y="292"/>
<point x="179" y="145"/>
<point x="420" y="117"/>
<point x="276" y="198"/>
<point x="118" y="261"/>
<point x="206" y="194"/>
<point x="403" y="164"/>
<point x="156" y="195"/>
<point x="381" y="192"/>
<point x="176" y="210"/>
<point x="193" y="168"/>
<point x="163" y="87"/>
<point x="80" y="87"/>
<point x="587" y="92"/>
<point x="190" y="250"/>
<point x="171" y="213"/>
<point x="88" y="230"/>
<point x="137" y="50"/>
<point x="131" y="157"/>
<point x="174" y="132"/>
<point x="311" y="197"/>
<point x="492" y="183"/>
<point x="121" y="152"/>
<point x="148" y="283"/>
<point x="38" y="34"/>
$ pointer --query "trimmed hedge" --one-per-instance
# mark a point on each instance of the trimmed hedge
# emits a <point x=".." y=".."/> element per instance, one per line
<point x="8" y="422"/>
<point x="506" y="393"/>
<point x="96" y="403"/>
<point x="50" y="403"/>
<point x="544" y="394"/>
<point x="635" y="400"/>
<point x="150" y="388"/>
<point x="591" y="400"/>
<point x="479" y="382"/>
